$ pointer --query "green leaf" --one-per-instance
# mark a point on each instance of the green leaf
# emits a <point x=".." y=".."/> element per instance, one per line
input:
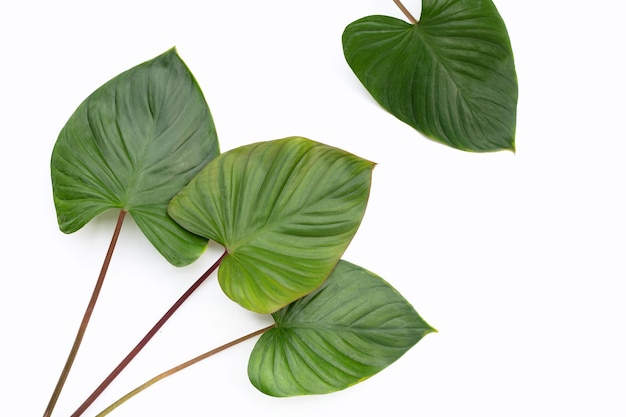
<point x="349" y="329"/>
<point x="285" y="210"/>
<point x="451" y="76"/>
<point x="132" y="145"/>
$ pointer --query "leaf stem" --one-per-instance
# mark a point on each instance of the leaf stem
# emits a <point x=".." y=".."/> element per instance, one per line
<point x="180" y="367"/>
<point x="80" y="410"/>
<point x="406" y="12"/>
<point x="87" y="315"/>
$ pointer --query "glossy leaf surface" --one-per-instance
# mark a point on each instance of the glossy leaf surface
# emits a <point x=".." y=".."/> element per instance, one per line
<point x="285" y="210"/>
<point x="451" y="76"/>
<point x="132" y="145"/>
<point x="349" y="329"/>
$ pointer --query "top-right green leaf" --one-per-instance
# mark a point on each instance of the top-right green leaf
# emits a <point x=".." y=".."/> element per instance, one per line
<point x="451" y="75"/>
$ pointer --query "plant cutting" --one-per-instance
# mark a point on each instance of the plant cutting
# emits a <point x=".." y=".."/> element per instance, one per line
<point x="131" y="146"/>
<point x="284" y="211"/>
<point x="450" y="74"/>
<point x="346" y="331"/>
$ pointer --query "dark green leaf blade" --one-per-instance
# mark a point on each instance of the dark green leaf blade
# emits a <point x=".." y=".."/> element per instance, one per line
<point x="349" y="329"/>
<point x="285" y="210"/>
<point x="132" y="145"/>
<point x="451" y="76"/>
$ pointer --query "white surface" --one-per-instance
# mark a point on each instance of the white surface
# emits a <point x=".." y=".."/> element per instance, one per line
<point x="517" y="260"/>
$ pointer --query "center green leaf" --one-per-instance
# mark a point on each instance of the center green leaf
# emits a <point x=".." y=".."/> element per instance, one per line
<point x="285" y="210"/>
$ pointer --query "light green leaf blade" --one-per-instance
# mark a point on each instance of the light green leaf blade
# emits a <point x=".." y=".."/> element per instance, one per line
<point x="451" y="76"/>
<point x="349" y="329"/>
<point x="132" y="145"/>
<point x="285" y="210"/>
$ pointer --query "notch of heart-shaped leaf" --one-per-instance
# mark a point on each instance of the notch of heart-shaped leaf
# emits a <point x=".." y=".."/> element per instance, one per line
<point x="133" y="144"/>
<point x="349" y="329"/>
<point x="285" y="210"/>
<point x="451" y="75"/>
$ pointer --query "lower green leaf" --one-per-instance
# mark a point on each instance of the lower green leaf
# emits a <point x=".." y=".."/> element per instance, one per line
<point x="349" y="329"/>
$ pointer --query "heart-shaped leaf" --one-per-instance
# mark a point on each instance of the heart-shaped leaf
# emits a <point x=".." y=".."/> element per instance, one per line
<point x="133" y="144"/>
<point x="451" y="76"/>
<point x="285" y="210"/>
<point x="349" y="329"/>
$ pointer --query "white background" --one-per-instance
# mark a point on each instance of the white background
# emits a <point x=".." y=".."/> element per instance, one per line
<point x="517" y="259"/>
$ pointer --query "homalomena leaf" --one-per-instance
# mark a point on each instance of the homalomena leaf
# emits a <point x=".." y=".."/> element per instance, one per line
<point x="133" y="144"/>
<point x="285" y="210"/>
<point x="451" y="76"/>
<point x="349" y="329"/>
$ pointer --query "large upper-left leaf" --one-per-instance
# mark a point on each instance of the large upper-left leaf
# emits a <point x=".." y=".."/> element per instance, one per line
<point x="132" y="145"/>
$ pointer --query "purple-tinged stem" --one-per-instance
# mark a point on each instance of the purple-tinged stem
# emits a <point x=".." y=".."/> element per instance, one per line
<point x="98" y="391"/>
<point x="180" y="368"/>
<point x="405" y="11"/>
